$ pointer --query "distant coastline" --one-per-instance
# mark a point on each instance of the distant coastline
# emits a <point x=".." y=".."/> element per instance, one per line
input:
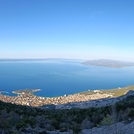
<point x="67" y="77"/>
<point x="97" y="62"/>
<point x="37" y="59"/>
<point x="24" y="60"/>
<point x="108" y="63"/>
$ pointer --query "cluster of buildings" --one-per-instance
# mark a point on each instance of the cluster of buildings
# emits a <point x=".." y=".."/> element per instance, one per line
<point x="96" y="99"/>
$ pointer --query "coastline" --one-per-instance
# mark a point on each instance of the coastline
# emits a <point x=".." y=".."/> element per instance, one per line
<point x="54" y="81"/>
<point x="26" y="91"/>
<point x="81" y="100"/>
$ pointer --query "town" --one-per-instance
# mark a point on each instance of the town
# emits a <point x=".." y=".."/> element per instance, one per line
<point x="96" y="99"/>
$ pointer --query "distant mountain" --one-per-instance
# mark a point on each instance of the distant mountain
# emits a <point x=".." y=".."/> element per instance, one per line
<point x="108" y="63"/>
<point x="28" y="59"/>
<point x="41" y="60"/>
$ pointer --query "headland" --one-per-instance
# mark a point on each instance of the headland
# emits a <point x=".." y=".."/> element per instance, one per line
<point x="26" y="91"/>
<point x="108" y="63"/>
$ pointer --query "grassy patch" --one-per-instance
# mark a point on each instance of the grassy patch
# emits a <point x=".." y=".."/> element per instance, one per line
<point x="115" y="92"/>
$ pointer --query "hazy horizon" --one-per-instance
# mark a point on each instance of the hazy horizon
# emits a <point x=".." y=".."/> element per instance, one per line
<point x="78" y="29"/>
<point x="62" y="59"/>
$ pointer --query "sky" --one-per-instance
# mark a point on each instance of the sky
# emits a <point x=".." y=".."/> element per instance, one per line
<point x="72" y="29"/>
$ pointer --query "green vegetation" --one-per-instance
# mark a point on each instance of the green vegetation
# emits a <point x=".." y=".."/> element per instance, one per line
<point x="16" y="119"/>
<point x="26" y="91"/>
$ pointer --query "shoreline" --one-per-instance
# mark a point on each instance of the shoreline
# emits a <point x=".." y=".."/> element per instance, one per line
<point x="28" y="91"/>
<point x="114" y="91"/>
<point x="81" y="100"/>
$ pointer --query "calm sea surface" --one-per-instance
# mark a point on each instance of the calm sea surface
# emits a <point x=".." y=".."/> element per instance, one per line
<point x="61" y="77"/>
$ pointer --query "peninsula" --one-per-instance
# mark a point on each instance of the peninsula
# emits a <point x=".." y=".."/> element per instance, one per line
<point x="26" y="91"/>
<point x="108" y="63"/>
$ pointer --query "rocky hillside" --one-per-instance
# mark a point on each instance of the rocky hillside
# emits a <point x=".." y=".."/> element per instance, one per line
<point x="17" y="119"/>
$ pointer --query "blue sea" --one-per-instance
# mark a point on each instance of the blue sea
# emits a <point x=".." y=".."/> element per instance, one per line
<point x="57" y="77"/>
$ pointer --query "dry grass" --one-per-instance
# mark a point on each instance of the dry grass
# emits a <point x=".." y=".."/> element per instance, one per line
<point x="116" y="91"/>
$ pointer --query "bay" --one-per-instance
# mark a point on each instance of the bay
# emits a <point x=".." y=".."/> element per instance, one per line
<point x="56" y="78"/>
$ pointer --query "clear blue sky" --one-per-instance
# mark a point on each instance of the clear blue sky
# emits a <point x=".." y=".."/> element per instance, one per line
<point x="77" y="29"/>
